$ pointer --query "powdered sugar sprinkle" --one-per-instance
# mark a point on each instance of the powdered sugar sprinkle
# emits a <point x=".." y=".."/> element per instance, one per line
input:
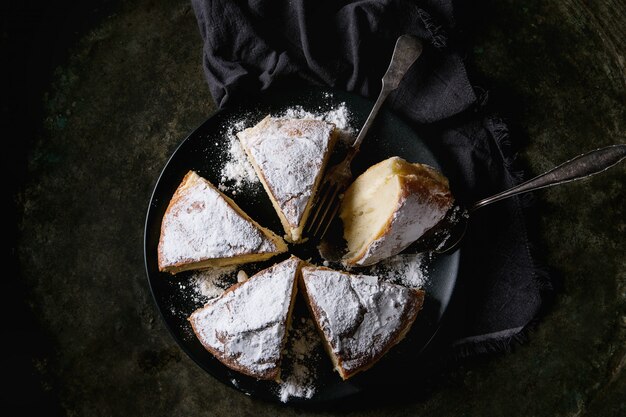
<point x="247" y="324"/>
<point x="237" y="172"/>
<point x="301" y="352"/>
<point x="408" y="269"/>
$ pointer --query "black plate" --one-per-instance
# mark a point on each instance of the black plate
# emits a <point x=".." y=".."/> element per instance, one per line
<point x="204" y="151"/>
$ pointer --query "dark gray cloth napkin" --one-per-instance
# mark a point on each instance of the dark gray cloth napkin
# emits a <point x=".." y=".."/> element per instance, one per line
<point x="250" y="46"/>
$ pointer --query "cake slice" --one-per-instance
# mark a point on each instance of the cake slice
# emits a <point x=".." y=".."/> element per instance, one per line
<point x="202" y="227"/>
<point x="289" y="156"/>
<point x="245" y="328"/>
<point x="360" y="317"/>
<point x="390" y="206"/>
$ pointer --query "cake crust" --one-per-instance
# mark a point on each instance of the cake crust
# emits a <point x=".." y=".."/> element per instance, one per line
<point x="246" y="327"/>
<point x="289" y="156"/>
<point x="422" y="200"/>
<point x="202" y="227"/>
<point x="359" y="317"/>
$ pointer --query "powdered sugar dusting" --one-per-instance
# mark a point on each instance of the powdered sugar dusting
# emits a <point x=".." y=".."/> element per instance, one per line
<point x="405" y="226"/>
<point x="289" y="153"/>
<point x="197" y="287"/>
<point x="211" y="282"/>
<point x="340" y="116"/>
<point x="247" y="325"/>
<point x="360" y="314"/>
<point x="302" y="350"/>
<point x="200" y="224"/>
<point x="409" y="270"/>
<point x="237" y="171"/>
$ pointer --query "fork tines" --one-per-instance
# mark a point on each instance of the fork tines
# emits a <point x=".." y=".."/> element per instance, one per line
<point x="327" y="207"/>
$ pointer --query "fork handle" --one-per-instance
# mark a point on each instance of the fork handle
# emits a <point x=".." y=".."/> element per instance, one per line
<point x="405" y="53"/>
<point x="577" y="168"/>
<point x="370" y="119"/>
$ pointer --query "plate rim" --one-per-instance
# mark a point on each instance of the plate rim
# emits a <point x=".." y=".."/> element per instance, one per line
<point x="294" y="401"/>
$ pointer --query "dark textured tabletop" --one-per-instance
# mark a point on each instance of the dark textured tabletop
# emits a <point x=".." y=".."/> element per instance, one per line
<point x="109" y="90"/>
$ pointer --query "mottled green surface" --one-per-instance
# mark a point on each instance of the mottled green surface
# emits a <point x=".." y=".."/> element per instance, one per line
<point x="133" y="88"/>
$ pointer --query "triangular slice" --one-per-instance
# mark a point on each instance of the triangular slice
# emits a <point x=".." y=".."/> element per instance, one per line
<point x="289" y="156"/>
<point x="245" y="328"/>
<point x="360" y="317"/>
<point x="203" y="227"/>
<point x="390" y="206"/>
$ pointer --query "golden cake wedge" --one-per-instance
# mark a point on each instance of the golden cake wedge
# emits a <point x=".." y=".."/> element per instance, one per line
<point x="202" y="228"/>
<point x="289" y="157"/>
<point x="360" y="317"/>
<point x="246" y="327"/>
<point x="390" y="206"/>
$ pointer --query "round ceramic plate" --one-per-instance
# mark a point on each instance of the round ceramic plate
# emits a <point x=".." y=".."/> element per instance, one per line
<point x="206" y="151"/>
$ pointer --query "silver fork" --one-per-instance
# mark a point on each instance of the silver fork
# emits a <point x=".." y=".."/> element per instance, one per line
<point x="338" y="177"/>
<point x="449" y="236"/>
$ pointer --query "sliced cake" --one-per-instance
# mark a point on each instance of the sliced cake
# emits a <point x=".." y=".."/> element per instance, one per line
<point x="289" y="156"/>
<point x="245" y="328"/>
<point x="390" y="206"/>
<point x="360" y="317"/>
<point x="202" y="227"/>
